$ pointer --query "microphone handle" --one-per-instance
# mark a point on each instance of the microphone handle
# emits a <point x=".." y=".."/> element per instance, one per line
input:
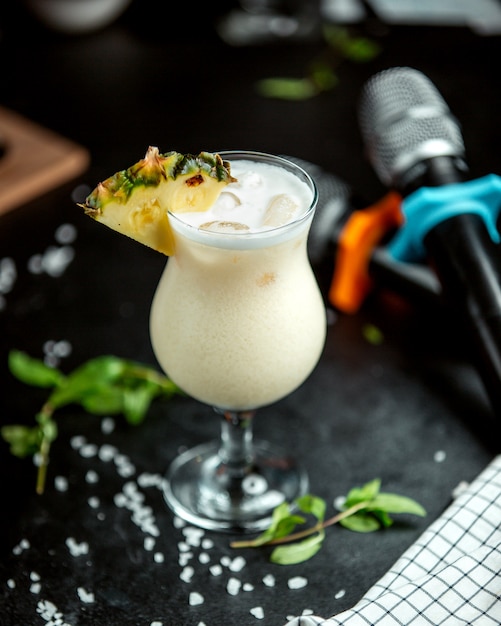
<point x="468" y="265"/>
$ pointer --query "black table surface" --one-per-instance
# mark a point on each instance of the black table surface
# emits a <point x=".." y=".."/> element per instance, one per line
<point x="410" y="409"/>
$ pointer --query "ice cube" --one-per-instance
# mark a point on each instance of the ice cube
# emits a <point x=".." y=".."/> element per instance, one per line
<point x="280" y="210"/>
<point x="226" y="203"/>
<point x="251" y="179"/>
<point x="220" y="226"/>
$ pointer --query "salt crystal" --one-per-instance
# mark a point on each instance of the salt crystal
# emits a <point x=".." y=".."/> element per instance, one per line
<point x="233" y="586"/>
<point x="156" y="624"/>
<point x="85" y="596"/>
<point x="11" y="584"/>
<point x="207" y="544"/>
<point x="37" y="459"/>
<point x="439" y="456"/>
<point x="216" y="570"/>
<point x="51" y="360"/>
<point x="237" y="564"/>
<point x="269" y="580"/>
<point x="47" y="610"/>
<point x="24" y="544"/>
<point x="257" y="612"/>
<point x="77" y="441"/>
<point x="193" y="535"/>
<point x="35" y="588"/>
<point x="88" y="450"/>
<point x="141" y="514"/>
<point x="122" y="459"/>
<point x="62" y="349"/>
<point x="55" y="260"/>
<point x="120" y="500"/>
<point x="187" y="574"/>
<point x="107" y="425"/>
<point x="75" y="548"/>
<point x="178" y="522"/>
<point x="106" y="452"/>
<point x="339" y="503"/>
<point x="130" y="489"/>
<point x="340" y="594"/>
<point x="48" y="346"/>
<point x="460" y="489"/>
<point x="196" y="598"/>
<point x="92" y="477"/>
<point x="80" y="192"/>
<point x="248" y="587"/>
<point x="297" y="582"/>
<point x="182" y="546"/>
<point x="307" y="612"/>
<point x="149" y="480"/>
<point x="35" y="264"/>
<point x="151" y="528"/>
<point x="61" y="483"/>
<point x="93" y="502"/>
<point x="65" y="233"/>
<point x="184" y="558"/>
<point x="8" y="274"/>
<point x="225" y="560"/>
<point x="149" y="543"/>
<point x="158" y="557"/>
<point x="126" y="471"/>
<point x="204" y="558"/>
<point x="34" y="576"/>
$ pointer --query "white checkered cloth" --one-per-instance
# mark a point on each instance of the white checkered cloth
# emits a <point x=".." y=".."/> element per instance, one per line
<point x="450" y="576"/>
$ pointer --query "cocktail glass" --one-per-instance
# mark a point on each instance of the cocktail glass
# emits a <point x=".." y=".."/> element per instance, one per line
<point x="238" y="322"/>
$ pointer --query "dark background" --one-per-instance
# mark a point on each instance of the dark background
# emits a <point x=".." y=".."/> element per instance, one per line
<point x="162" y="76"/>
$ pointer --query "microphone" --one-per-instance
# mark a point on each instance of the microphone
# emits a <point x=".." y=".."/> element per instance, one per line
<point x="415" y="146"/>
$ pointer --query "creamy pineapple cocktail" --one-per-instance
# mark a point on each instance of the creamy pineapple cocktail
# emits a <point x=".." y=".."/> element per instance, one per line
<point x="238" y="321"/>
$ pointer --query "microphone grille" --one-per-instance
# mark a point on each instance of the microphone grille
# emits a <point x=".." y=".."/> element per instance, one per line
<point x="404" y="121"/>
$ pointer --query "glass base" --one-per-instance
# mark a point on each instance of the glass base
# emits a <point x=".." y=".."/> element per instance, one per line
<point x="208" y="493"/>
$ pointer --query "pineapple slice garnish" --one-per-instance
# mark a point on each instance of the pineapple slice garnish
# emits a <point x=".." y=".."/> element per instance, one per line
<point x="135" y="202"/>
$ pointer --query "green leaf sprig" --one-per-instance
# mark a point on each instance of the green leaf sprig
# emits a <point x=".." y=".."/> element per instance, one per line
<point x="105" y="385"/>
<point x="341" y="46"/>
<point x="366" y="509"/>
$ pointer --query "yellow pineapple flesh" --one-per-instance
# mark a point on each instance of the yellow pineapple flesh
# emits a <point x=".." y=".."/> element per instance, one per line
<point x="136" y="202"/>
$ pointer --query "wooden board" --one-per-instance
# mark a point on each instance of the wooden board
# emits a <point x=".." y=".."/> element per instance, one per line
<point x="36" y="160"/>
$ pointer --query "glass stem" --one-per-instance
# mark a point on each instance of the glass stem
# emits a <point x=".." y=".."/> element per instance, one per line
<point x="236" y="441"/>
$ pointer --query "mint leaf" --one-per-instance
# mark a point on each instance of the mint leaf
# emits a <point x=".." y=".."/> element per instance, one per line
<point x="137" y="402"/>
<point x="48" y="428"/>
<point x="393" y="503"/>
<point x="361" y="523"/>
<point x="366" y="510"/>
<point x="363" y="494"/>
<point x="313" y="505"/>
<point x="298" y="552"/>
<point x="287" y="88"/>
<point x="23" y="440"/>
<point x="103" y="385"/>
<point x="103" y="400"/>
<point x="33" y="371"/>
